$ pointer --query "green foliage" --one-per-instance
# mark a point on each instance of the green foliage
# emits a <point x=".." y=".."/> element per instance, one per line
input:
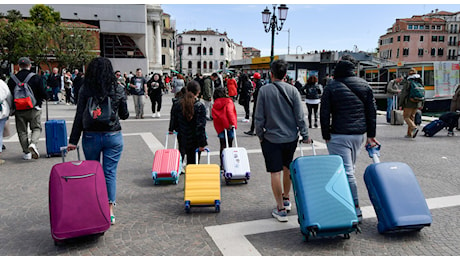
<point x="45" y="16"/>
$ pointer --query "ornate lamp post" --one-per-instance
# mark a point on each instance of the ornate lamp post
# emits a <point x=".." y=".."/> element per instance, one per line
<point x="180" y="46"/>
<point x="271" y="23"/>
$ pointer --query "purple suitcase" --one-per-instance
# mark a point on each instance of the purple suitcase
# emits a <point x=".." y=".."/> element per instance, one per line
<point x="78" y="200"/>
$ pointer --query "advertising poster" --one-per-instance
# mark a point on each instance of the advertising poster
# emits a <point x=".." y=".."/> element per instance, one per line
<point x="446" y="78"/>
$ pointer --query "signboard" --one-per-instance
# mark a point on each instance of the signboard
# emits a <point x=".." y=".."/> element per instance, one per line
<point x="302" y="78"/>
<point x="446" y="78"/>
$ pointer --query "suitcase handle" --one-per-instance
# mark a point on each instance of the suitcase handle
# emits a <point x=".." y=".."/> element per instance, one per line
<point x="226" y="137"/>
<point x="196" y="155"/>
<point x="64" y="151"/>
<point x="312" y="147"/>
<point x="175" y="139"/>
<point x="374" y="152"/>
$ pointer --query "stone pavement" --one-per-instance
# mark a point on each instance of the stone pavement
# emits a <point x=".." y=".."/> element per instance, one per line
<point x="151" y="219"/>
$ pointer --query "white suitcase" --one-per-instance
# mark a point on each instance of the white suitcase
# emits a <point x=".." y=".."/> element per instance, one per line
<point x="235" y="162"/>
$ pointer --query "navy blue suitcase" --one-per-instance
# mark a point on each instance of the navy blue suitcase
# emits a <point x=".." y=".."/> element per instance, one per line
<point x="396" y="195"/>
<point x="56" y="137"/>
<point x="433" y="127"/>
<point x="323" y="197"/>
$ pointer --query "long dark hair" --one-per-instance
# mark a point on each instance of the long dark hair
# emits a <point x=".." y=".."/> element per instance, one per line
<point x="188" y="101"/>
<point x="100" y="76"/>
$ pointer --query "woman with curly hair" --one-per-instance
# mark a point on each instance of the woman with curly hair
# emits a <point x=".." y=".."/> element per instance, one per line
<point x="101" y="137"/>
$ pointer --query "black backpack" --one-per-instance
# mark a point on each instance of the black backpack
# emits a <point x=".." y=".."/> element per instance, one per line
<point x="98" y="111"/>
<point x="312" y="91"/>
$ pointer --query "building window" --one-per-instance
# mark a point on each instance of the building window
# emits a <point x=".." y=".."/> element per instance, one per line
<point x="210" y="64"/>
<point x="406" y="38"/>
<point x="433" y="51"/>
<point x="420" y="52"/>
<point x="163" y="43"/>
<point x="210" y="52"/>
<point x="406" y="52"/>
<point x="397" y="53"/>
<point x="222" y="51"/>
<point x="440" y="52"/>
<point x="163" y="59"/>
<point x="190" y="64"/>
<point x="204" y="50"/>
<point x="198" y="50"/>
<point x="441" y="38"/>
<point x="409" y="27"/>
<point x="438" y="27"/>
<point x="415" y="27"/>
<point x="221" y="39"/>
<point x="434" y="38"/>
<point x="221" y="65"/>
<point x="198" y="65"/>
<point x="193" y="39"/>
<point x="205" y="65"/>
<point x="399" y="38"/>
<point x="189" y="50"/>
<point x="421" y="38"/>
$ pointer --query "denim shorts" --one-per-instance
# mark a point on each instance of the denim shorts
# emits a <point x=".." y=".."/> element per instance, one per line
<point x="278" y="155"/>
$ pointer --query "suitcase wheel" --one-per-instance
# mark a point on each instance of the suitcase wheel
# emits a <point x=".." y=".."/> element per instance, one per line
<point x="217" y="206"/>
<point x="187" y="206"/>
<point x="346" y="236"/>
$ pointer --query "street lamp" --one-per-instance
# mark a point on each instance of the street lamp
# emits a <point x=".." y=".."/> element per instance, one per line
<point x="180" y="46"/>
<point x="271" y="23"/>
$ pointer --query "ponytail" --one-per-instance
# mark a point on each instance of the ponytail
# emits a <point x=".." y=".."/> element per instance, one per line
<point x="188" y="101"/>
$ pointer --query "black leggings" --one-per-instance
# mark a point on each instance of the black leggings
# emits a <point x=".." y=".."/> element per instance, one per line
<point x="313" y="107"/>
<point x="156" y="100"/>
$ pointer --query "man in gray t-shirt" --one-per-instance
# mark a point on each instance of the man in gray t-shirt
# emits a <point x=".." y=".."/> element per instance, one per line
<point x="279" y="118"/>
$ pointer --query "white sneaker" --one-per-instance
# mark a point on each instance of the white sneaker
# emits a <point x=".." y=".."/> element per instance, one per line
<point x="27" y="156"/>
<point x="33" y="149"/>
<point x="154" y="115"/>
<point x="158" y="114"/>
<point x="245" y="120"/>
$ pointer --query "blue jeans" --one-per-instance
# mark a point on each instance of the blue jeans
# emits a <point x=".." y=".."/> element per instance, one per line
<point x="2" y="127"/>
<point x="110" y="144"/>
<point x="348" y="147"/>
<point x="389" y="108"/>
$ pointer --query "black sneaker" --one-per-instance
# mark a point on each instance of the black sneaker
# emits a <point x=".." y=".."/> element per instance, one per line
<point x="250" y="133"/>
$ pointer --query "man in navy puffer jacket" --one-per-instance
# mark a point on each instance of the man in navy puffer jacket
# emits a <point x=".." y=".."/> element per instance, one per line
<point x="349" y="102"/>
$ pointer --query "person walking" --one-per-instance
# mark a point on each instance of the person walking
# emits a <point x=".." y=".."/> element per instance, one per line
<point x="259" y="83"/>
<point x="6" y="101"/>
<point x="178" y="83"/>
<point x="188" y="119"/>
<point x="348" y="102"/>
<point x="28" y="117"/>
<point x="208" y="90"/>
<point x="155" y="90"/>
<point x="101" y="137"/>
<point x="68" y="87"/>
<point x="232" y="87"/>
<point x="409" y="104"/>
<point x="279" y="118"/>
<point x="393" y="91"/>
<point x="224" y="117"/>
<point x="54" y="83"/>
<point x="312" y="91"/>
<point x="138" y="90"/>
<point x="245" y="92"/>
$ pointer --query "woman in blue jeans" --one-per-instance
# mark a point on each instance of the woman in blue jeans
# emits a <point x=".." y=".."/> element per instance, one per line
<point x="101" y="134"/>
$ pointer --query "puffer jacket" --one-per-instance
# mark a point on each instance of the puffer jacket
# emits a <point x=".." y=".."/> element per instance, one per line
<point x="350" y="113"/>
<point x="119" y="108"/>
<point x="224" y="114"/>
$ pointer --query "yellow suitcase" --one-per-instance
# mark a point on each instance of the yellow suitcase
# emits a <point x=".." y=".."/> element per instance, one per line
<point x="202" y="185"/>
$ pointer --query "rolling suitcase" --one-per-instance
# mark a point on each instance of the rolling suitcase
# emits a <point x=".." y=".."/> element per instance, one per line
<point x="396" y="195"/>
<point x="433" y="127"/>
<point x="167" y="163"/>
<point x="78" y="200"/>
<point x="56" y="135"/>
<point x="235" y="162"/>
<point x="202" y="185"/>
<point x="323" y="197"/>
<point x="396" y="117"/>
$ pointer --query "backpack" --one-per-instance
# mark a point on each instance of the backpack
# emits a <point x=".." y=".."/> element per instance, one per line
<point x="23" y="95"/>
<point x="98" y="111"/>
<point x="312" y="92"/>
<point x="417" y="91"/>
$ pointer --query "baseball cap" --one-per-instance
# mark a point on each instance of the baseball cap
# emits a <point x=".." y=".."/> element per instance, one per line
<point x="24" y="61"/>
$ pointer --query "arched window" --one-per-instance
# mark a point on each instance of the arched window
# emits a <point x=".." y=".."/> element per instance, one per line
<point x="221" y="65"/>
<point x="189" y="50"/>
<point x="204" y="50"/>
<point x="221" y="51"/>
<point x="210" y="64"/>
<point x="198" y="50"/>
<point x="210" y="51"/>
<point x="205" y="64"/>
<point x="190" y="64"/>
<point x="198" y="65"/>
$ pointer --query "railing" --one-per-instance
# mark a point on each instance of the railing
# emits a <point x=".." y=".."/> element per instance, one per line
<point x="379" y="88"/>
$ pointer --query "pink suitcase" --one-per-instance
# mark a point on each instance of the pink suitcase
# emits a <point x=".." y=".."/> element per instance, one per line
<point x="78" y="201"/>
<point x="167" y="164"/>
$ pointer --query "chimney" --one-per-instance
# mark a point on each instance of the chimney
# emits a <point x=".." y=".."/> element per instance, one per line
<point x="436" y="10"/>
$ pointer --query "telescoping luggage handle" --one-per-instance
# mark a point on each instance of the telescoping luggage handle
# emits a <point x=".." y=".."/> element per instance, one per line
<point x="374" y="152"/>
<point x="64" y="151"/>
<point x="196" y="155"/>
<point x="226" y="137"/>
<point x="175" y="139"/>
<point x="312" y="147"/>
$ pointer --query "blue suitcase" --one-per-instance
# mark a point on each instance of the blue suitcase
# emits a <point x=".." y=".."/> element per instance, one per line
<point x="323" y="198"/>
<point x="56" y="137"/>
<point x="396" y="195"/>
<point x="433" y="127"/>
